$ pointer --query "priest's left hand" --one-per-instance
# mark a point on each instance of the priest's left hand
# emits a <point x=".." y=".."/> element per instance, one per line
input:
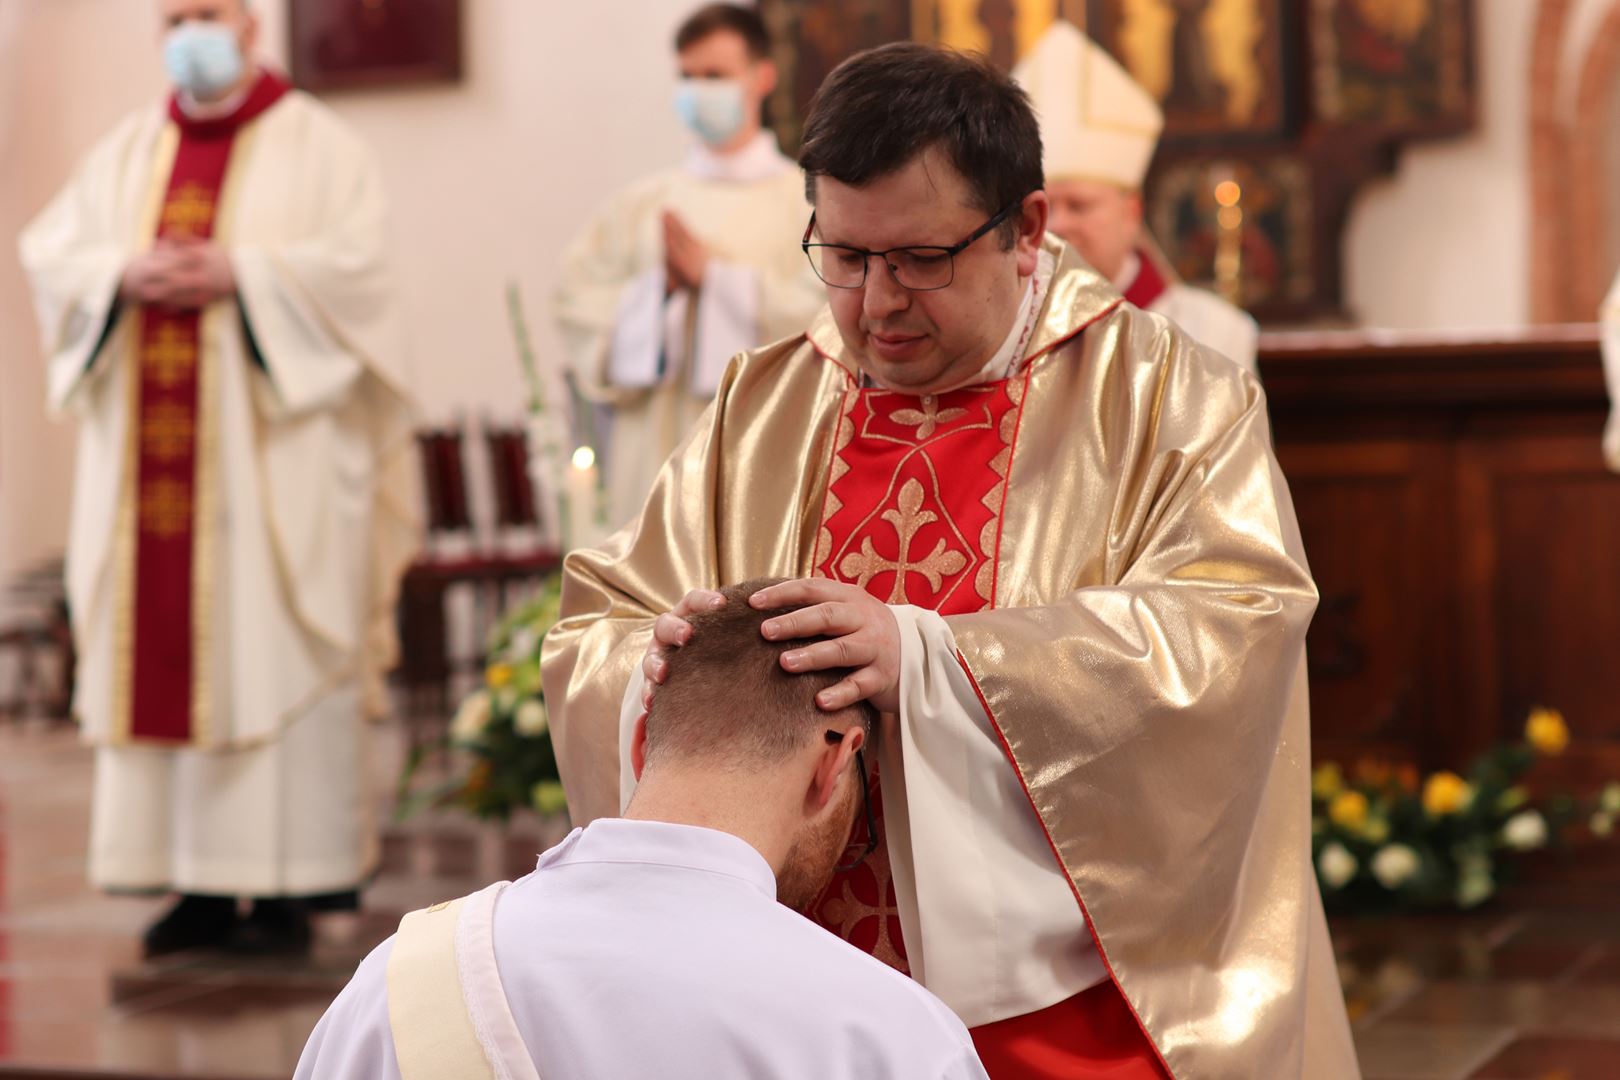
<point x="865" y="636"/>
<point x="686" y="257"/>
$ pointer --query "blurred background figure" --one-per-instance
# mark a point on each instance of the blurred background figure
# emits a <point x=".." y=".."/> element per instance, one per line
<point x="681" y="271"/>
<point x="215" y="307"/>
<point x="1099" y="130"/>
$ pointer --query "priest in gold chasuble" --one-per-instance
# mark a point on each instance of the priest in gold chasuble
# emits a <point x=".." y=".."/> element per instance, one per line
<point x="1048" y="531"/>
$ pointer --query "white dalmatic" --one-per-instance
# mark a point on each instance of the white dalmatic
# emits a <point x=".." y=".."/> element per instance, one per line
<point x="1206" y="318"/>
<point x="656" y="356"/>
<point x="313" y="512"/>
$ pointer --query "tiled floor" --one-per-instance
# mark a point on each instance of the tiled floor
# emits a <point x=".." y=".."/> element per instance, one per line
<point x="1503" y="995"/>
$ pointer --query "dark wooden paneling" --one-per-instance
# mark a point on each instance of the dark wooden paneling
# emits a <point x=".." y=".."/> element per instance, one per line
<point x="1465" y="538"/>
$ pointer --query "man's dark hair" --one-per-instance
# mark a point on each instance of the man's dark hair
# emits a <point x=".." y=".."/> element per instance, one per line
<point x="727" y="699"/>
<point x="881" y="108"/>
<point x="715" y="18"/>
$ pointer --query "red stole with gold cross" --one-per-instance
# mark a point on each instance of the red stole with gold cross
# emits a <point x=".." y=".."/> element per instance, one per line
<point x="172" y="474"/>
<point x="913" y="516"/>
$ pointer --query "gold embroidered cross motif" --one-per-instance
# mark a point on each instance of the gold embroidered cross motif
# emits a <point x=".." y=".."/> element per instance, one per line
<point x="188" y="211"/>
<point x="170" y="356"/>
<point x="909" y="517"/>
<point x="167" y="430"/>
<point x="928" y="420"/>
<point x="165" y="508"/>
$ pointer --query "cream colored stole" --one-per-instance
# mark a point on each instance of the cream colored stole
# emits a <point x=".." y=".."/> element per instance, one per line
<point x="446" y="1007"/>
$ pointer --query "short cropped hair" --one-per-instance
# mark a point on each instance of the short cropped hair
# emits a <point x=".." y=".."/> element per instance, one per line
<point x="884" y="107"/>
<point x="728" y="700"/>
<point x="715" y="18"/>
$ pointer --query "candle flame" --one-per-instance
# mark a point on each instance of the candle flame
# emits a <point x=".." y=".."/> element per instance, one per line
<point x="584" y="458"/>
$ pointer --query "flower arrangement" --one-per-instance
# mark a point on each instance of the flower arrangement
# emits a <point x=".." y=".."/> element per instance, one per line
<point x="1383" y="838"/>
<point x="499" y="743"/>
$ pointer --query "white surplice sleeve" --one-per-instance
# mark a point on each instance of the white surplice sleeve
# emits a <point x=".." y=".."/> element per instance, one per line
<point x="967" y="850"/>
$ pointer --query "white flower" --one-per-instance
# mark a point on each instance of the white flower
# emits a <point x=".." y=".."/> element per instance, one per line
<point x="530" y="718"/>
<point x="1395" y="865"/>
<point x="1337" y="865"/>
<point x="1525" y="831"/>
<point x="472" y="717"/>
<point x="1609" y="801"/>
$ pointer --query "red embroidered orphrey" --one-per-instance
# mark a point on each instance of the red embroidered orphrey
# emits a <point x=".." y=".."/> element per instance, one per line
<point x="167" y="407"/>
<point x="913" y="516"/>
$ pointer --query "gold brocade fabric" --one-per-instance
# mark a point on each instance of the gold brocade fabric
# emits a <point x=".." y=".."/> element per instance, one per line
<point x="1144" y="661"/>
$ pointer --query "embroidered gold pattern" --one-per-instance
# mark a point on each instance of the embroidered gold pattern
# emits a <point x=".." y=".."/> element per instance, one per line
<point x="927" y="420"/>
<point x="167" y="431"/>
<point x="189" y="210"/>
<point x="165" y="508"/>
<point x="169" y="358"/>
<point x="907" y="517"/>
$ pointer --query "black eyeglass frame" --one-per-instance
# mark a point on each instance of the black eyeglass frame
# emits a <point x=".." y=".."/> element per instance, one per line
<point x="833" y="739"/>
<point x="950" y="252"/>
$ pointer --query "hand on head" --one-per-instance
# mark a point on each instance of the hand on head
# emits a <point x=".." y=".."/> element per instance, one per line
<point x="737" y="740"/>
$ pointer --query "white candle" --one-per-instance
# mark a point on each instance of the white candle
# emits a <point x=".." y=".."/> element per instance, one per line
<point x="584" y="499"/>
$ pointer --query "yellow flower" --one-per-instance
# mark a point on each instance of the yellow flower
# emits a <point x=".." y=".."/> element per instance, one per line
<point x="1349" y="810"/>
<point x="1547" y="731"/>
<point x="498" y="676"/>
<point x="1446" y="793"/>
<point x="1327" y="781"/>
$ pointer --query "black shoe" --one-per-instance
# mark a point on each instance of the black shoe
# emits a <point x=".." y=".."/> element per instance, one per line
<point x="275" y="927"/>
<point x="196" y="922"/>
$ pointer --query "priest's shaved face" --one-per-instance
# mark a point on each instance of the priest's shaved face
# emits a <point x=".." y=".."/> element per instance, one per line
<point x="914" y="146"/>
<point x="729" y="715"/>
<point x="1102" y="221"/>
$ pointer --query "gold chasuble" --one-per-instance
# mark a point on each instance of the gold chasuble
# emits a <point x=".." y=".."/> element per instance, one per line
<point x="1113" y="549"/>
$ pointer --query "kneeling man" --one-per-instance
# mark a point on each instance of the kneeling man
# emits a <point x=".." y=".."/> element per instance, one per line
<point x="655" y="945"/>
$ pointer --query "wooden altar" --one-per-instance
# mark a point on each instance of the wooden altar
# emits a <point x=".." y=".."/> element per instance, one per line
<point x="1465" y="537"/>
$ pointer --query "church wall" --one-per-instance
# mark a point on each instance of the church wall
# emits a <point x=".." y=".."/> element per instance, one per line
<point x="1460" y="214"/>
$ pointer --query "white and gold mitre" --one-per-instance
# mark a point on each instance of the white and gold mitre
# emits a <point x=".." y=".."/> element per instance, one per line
<point x="1097" y="123"/>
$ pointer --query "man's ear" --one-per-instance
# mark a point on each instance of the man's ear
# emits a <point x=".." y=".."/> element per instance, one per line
<point x="834" y="762"/>
<point x="250" y="31"/>
<point x="638" y="746"/>
<point x="765" y="77"/>
<point x="1036" y="210"/>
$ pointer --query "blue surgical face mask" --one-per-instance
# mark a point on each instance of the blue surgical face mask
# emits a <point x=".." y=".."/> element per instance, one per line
<point x="713" y="108"/>
<point x="203" y="59"/>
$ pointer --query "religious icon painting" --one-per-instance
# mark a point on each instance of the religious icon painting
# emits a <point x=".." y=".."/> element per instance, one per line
<point x="811" y="38"/>
<point x="1401" y="67"/>
<point x="1003" y="30"/>
<point x="1215" y="66"/>
<point x="1243" y="228"/>
<point x="344" y="44"/>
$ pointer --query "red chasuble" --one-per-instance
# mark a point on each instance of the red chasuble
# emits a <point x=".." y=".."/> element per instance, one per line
<point x="913" y="516"/>
<point x="167" y="478"/>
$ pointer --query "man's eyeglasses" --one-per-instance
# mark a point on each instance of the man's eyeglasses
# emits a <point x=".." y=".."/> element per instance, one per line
<point x="833" y="739"/>
<point x="920" y="268"/>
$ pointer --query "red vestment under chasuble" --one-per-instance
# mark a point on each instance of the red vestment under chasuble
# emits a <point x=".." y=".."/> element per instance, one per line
<point x="1104" y="599"/>
<point x="174" y="482"/>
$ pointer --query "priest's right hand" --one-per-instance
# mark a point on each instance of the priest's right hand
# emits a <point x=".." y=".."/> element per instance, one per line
<point x="671" y="631"/>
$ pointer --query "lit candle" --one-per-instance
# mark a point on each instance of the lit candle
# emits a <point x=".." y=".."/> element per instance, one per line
<point x="584" y="499"/>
